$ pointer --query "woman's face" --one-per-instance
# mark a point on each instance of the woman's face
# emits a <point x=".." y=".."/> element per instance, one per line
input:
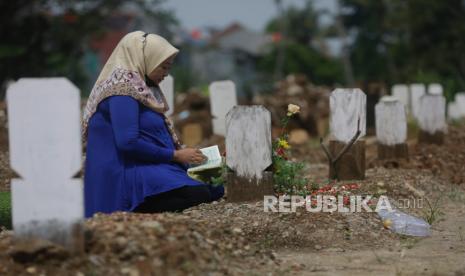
<point x="161" y="71"/>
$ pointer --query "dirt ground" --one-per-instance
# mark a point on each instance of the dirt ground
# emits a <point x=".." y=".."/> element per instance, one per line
<point x="241" y="239"/>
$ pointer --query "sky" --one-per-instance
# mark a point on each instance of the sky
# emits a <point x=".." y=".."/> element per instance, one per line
<point x="253" y="14"/>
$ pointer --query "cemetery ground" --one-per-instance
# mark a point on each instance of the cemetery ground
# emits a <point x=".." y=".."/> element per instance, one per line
<point x="240" y="238"/>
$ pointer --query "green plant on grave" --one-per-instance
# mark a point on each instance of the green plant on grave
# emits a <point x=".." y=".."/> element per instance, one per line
<point x="433" y="210"/>
<point x="219" y="178"/>
<point x="288" y="175"/>
<point x="5" y="210"/>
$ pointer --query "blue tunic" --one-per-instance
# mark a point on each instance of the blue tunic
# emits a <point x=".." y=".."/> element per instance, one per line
<point x="129" y="157"/>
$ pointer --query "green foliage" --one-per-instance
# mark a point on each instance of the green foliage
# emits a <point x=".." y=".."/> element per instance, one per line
<point x="301" y="25"/>
<point x="288" y="177"/>
<point x="220" y="179"/>
<point x="299" y="28"/>
<point x="184" y="78"/>
<point x="300" y="58"/>
<point x="5" y="210"/>
<point x="404" y="41"/>
<point x="433" y="210"/>
<point x="46" y="38"/>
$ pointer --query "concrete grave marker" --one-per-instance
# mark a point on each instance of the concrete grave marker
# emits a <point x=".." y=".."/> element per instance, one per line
<point x="456" y="109"/>
<point x="432" y="119"/>
<point x="416" y="91"/>
<point x="460" y="100"/>
<point x="402" y="93"/>
<point x="248" y="153"/>
<point x="453" y="111"/>
<point x="222" y="99"/>
<point x="167" y="87"/>
<point x="45" y="151"/>
<point x="348" y="106"/>
<point x="435" y="89"/>
<point x="391" y="129"/>
<point x="348" y="122"/>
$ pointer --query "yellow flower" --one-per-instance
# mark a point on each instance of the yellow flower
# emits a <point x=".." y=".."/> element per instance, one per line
<point x="292" y="109"/>
<point x="387" y="223"/>
<point x="283" y="143"/>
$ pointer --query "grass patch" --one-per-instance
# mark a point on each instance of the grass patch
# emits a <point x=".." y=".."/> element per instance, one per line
<point x="5" y="209"/>
<point x="433" y="210"/>
<point x="412" y="128"/>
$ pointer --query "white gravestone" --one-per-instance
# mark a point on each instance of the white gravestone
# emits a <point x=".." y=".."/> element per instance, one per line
<point x="222" y="99"/>
<point x="402" y="93"/>
<point x="45" y="151"/>
<point x="432" y="114"/>
<point x="348" y="106"/>
<point x="453" y="111"/>
<point x="460" y="100"/>
<point x="416" y="91"/>
<point x="456" y="109"/>
<point x="167" y="87"/>
<point x="248" y="140"/>
<point x="391" y="122"/>
<point x="435" y="89"/>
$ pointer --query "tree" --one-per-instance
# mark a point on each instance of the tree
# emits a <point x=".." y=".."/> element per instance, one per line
<point x="306" y="60"/>
<point x="299" y="28"/>
<point x="47" y="37"/>
<point x="436" y="39"/>
<point x="301" y="25"/>
<point x="408" y="41"/>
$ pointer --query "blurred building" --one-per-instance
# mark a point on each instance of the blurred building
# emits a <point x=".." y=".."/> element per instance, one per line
<point x="229" y="53"/>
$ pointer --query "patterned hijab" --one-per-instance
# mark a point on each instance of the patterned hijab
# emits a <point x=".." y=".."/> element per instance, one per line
<point x="136" y="55"/>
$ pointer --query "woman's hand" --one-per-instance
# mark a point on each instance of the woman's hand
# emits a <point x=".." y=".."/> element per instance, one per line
<point x="189" y="155"/>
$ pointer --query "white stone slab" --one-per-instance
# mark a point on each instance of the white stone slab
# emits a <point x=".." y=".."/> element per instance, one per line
<point x="222" y="99"/>
<point x="453" y="111"/>
<point x="45" y="150"/>
<point x="402" y="93"/>
<point x="391" y="121"/>
<point x="435" y="89"/>
<point x="167" y="87"/>
<point x="432" y="113"/>
<point x="347" y="107"/>
<point x="248" y="140"/>
<point x="416" y="91"/>
<point x="460" y="100"/>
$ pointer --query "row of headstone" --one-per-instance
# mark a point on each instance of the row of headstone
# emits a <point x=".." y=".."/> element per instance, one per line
<point x="391" y="120"/>
<point x="429" y="109"/>
<point x="410" y="95"/>
<point x="45" y="150"/>
<point x="348" y="114"/>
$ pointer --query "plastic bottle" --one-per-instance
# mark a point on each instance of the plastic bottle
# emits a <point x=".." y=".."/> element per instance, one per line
<point x="405" y="224"/>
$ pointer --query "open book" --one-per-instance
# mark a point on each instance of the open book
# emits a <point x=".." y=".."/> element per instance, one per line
<point x="210" y="169"/>
<point x="214" y="160"/>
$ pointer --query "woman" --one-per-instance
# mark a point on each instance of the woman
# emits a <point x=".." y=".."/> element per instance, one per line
<point x="134" y="159"/>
